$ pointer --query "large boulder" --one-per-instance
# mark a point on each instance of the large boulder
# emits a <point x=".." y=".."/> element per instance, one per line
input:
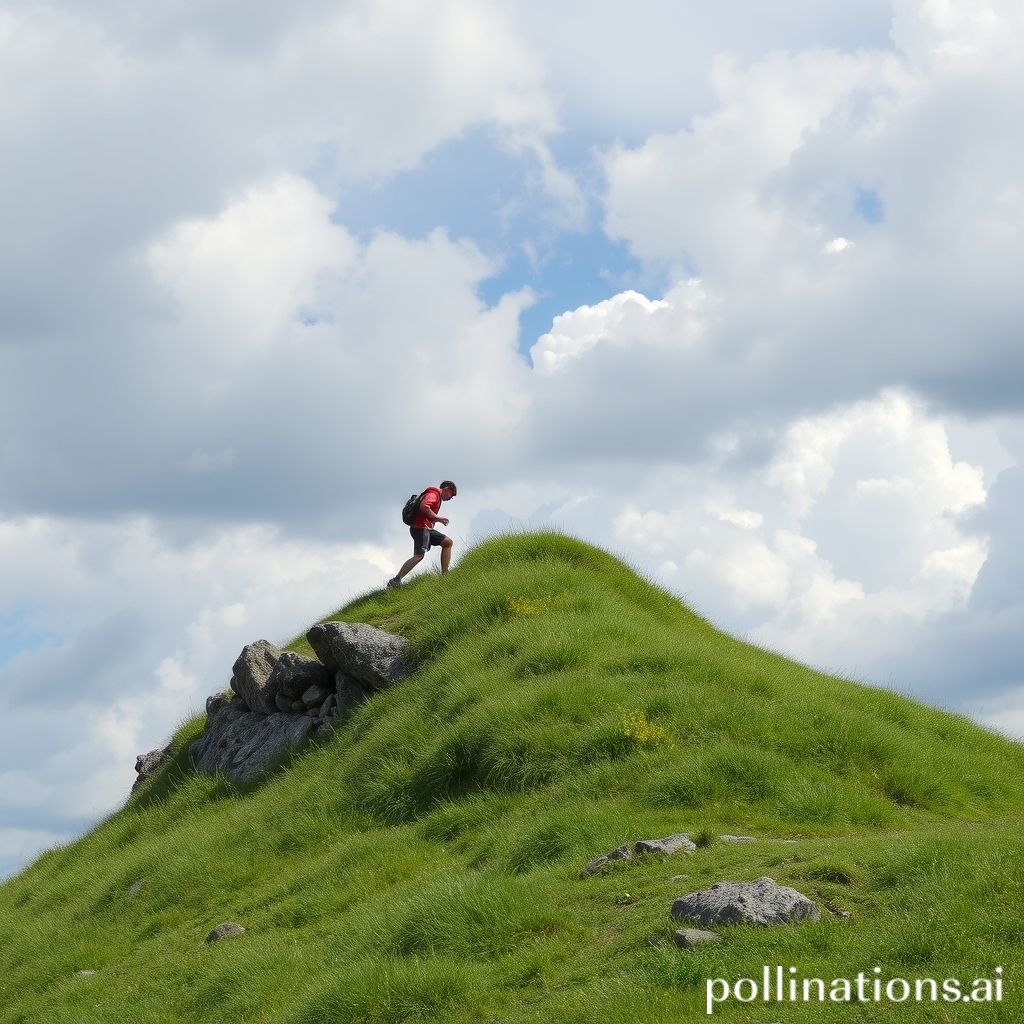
<point x="251" y="674"/>
<point x="244" y="744"/>
<point x="293" y="675"/>
<point x="376" y="658"/>
<point x="762" y="901"/>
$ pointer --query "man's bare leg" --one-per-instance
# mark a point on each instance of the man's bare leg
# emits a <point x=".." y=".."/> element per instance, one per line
<point x="446" y="555"/>
<point x="408" y="567"/>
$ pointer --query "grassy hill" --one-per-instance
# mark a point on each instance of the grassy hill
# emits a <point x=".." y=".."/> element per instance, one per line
<point x="424" y="863"/>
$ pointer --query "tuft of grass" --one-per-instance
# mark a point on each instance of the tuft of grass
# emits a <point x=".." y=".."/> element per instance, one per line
<point x="703" y="837"/>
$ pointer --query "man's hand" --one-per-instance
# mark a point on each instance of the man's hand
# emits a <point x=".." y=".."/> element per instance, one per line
<point x="442" y="519"/>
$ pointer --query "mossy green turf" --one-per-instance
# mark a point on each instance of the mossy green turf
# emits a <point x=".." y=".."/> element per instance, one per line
<point x="423" y="864"/>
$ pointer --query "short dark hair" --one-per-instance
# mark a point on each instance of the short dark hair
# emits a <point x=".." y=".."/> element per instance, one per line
<point x="450" y="484"/>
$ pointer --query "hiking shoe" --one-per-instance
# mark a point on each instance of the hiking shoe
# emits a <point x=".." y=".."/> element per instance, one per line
<point x="394" y="582"/>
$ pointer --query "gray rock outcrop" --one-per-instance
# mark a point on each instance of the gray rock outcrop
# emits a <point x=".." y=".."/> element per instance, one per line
<point x="762" y="901"/>
<point x="243" y="744"/>
<point x="376" y="658"/>
<point x="279" y="699"/>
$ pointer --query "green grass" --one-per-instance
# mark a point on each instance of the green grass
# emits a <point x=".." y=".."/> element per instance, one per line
<point x="424" y="863"/>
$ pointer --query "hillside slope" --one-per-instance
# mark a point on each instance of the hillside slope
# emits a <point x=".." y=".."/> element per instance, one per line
<point x="424" y="864"/>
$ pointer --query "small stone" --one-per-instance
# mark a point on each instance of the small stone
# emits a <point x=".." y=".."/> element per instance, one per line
<point x="670" y="844"/>
<point x="689" y="938"/>
<point x="624" y="900"/>
<point x="84" y="974"/>
<point x="225" y="930"/>
<point x="314" y="696"/>
<point x="623" y="852"/>
<point x="135" y="888"/>
<point x="216" y="701"/>
<point x="148" y="765"/>
<point x="832" y="908"/>
<point x="737" y="839"/>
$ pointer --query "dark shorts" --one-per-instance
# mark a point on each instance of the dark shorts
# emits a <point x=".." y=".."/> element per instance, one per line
<point x="424" y="538"/>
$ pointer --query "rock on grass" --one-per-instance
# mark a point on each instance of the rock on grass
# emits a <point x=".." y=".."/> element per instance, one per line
<point x="762" y="901"/>
<point x="224" y="931"/>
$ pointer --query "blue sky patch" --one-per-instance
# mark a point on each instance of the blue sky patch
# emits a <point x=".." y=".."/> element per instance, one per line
<point x="869" y="205"/>
<point x="573" y="270"/>
<point x="469" y="187"/>
<point x="475" y="189"/>
<point x="19" y="633"/>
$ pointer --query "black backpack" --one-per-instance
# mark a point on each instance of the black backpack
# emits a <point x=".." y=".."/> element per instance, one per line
<point x="411" y="507"/>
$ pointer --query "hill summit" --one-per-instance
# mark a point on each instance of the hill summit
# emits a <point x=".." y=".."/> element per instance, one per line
<point x="477" y="841"/>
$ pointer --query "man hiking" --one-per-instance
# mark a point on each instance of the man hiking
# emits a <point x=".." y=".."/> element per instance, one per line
<point x="424" y="536"/>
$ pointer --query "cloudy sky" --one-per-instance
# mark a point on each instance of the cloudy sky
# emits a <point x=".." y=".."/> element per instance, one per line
<point x="727" y="289"/>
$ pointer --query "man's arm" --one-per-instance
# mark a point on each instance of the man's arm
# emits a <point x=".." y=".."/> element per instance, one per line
<point x="431" y="514"/>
